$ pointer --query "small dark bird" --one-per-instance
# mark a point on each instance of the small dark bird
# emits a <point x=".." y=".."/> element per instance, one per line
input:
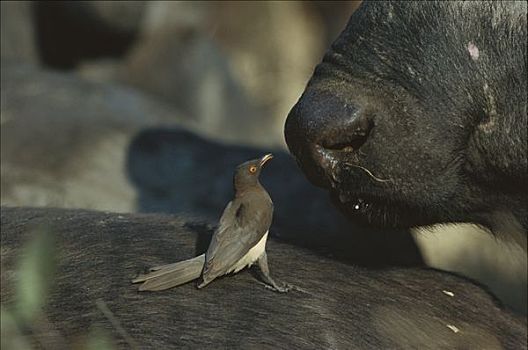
<point x="239" y="240"/>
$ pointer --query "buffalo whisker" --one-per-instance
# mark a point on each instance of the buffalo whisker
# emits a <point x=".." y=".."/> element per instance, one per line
<point x="369" y="173"/>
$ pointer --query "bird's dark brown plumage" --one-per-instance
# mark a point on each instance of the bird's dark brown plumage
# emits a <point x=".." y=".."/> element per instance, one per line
<point x="239" y="240"/>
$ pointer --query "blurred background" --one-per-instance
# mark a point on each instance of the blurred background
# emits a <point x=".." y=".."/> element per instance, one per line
<point x="146" y="106"/>
<point x="233" y="69"/>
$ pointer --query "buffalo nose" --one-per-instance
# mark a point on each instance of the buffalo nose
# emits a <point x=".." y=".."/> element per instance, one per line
<point x="322" y="126"/>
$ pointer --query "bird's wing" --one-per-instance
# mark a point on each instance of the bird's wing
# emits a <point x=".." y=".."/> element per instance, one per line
<point x="242" y="225"/>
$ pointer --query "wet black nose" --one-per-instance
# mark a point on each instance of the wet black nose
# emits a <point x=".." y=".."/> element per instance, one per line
<point x="322" y="127"/>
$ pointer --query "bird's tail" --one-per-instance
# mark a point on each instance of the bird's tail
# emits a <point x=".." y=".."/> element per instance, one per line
<point x="171" y="275"/>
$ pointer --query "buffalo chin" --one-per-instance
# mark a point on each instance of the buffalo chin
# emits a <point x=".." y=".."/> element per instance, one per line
<point x="367" y="210"/>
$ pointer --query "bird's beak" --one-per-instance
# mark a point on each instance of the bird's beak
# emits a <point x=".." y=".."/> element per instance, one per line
<point x="264" y="159"/>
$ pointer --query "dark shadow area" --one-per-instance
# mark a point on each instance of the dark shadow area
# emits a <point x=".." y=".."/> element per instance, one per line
<point x="176" y="171"/>
<point x="70" y="32"/>
<point x="204" y="233"/>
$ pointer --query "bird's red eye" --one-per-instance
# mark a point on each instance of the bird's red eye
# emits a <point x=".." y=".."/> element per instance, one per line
<point x="252" y="169"/>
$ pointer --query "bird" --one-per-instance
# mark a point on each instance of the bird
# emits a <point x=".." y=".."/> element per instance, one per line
<point x="238" y="242"/>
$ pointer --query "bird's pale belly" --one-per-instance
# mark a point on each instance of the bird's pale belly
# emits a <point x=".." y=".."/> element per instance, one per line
<point x="252" y="255"/>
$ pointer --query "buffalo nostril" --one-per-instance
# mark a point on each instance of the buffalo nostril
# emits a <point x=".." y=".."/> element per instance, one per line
<point x="350" y="137"/>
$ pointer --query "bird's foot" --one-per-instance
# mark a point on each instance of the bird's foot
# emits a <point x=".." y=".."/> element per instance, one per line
<point x="284" y="288"/>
